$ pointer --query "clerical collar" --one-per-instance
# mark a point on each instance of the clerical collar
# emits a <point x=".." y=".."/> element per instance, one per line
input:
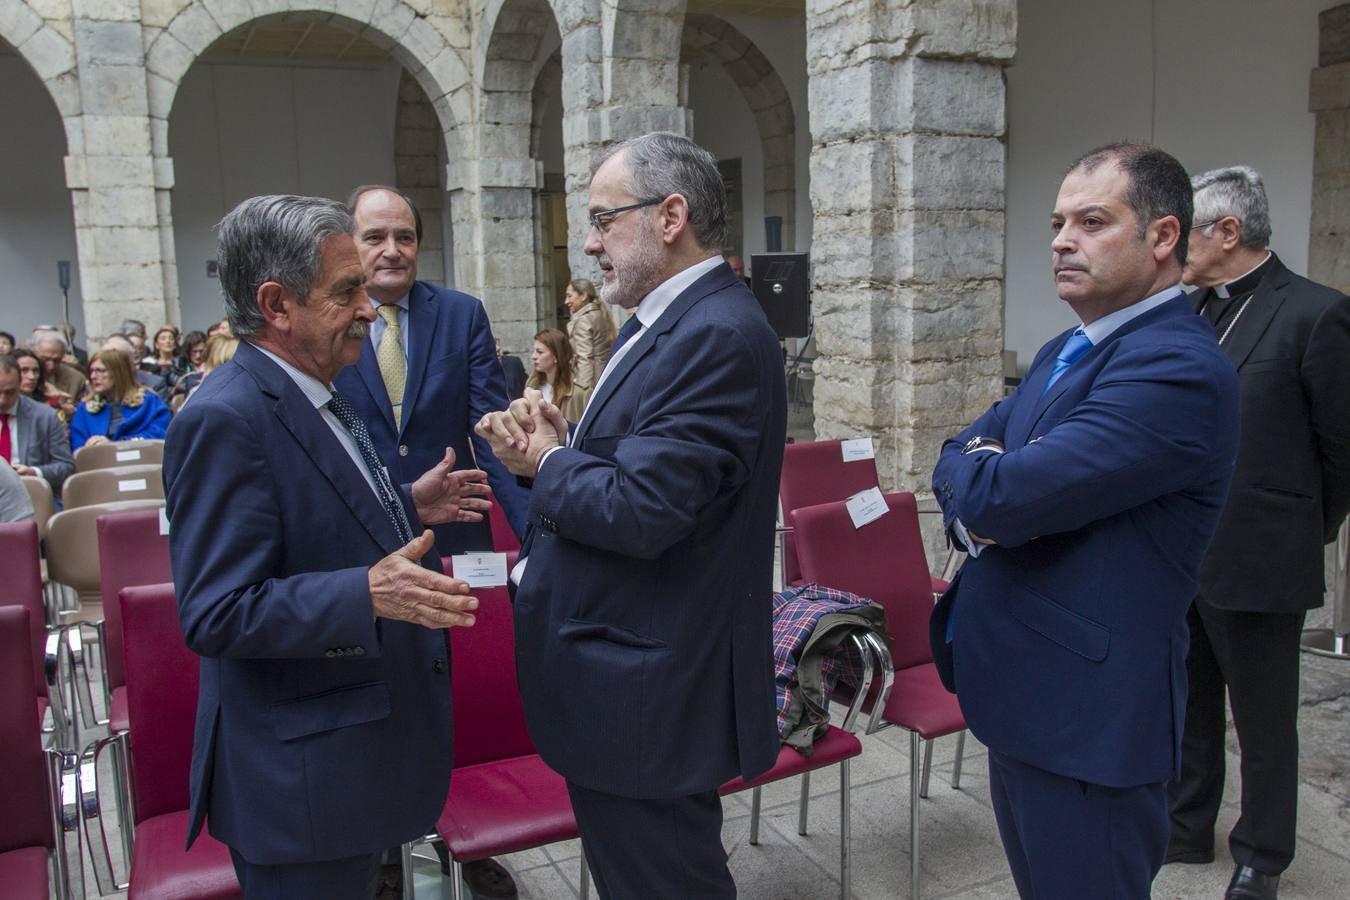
<point x="1246" y="283"/>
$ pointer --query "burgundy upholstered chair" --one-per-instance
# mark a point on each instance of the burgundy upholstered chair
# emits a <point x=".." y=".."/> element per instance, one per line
<point x="161" y="688"/>
<point x="503" y="798"/>
<point x="21" y="563"/>
<point x="815" y="472"/>
<point x="885" y="560"/>
<point x="504" y="540"/>
<point x="33" y="778"/>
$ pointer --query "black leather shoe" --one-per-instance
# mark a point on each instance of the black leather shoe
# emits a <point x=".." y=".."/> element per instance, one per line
<point x="486" y="878"/>
<point x="1249" y="884"/>
<point x="1188" y="855"/>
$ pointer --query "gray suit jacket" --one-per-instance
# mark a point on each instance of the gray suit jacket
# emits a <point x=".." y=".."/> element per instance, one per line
<point x="43" y="442"/>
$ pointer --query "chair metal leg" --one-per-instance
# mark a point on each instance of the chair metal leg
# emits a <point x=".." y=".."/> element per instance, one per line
<point x="960" y="752"/>
<point x="405" y="858"/>
<point x="456" y="881"/>
<point x="585" y="877"/>
<point x="804" y="803"/>
<point x="121" y="767"/>
<point x="914" y="815"/>
<point x="927" y="767"/>
<point x="754" y="817"/>
<point x="845" y="830"/>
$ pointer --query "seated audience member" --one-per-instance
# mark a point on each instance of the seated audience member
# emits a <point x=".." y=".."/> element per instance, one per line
<point x="32" y="438"/>
<point x="118" y="408"/>
<point x="514" y="370"/>
<point x="15" y="504"/>
<point x="75" y="355"/>
<point x="123" y="344"/>
<point x="552" y="359"/>
<point x="33" y="384"/>
<point x="220" y="349"/>
<point x="221" y="327"/>
<point x="163" y="359"/>
<point x="50" y="347"/>
<point x="134" y="330"/>
<point x="192" y="361"/>
<point x="590" y="330"/>
<point x="6" y="342"/>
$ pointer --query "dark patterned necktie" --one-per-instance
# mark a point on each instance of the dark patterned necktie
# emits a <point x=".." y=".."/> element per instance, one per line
<point x="630" y="328"/>
<point x="346" y="414"/>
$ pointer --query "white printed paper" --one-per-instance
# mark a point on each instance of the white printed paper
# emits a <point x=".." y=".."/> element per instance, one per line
<point x="128" y="455"/>
<point x="163" y="521"/>
<point x="858" y="449"/>
<point x="866" y="506"/>
<point x="480" y="569"/>
<point x="131" y="484"/>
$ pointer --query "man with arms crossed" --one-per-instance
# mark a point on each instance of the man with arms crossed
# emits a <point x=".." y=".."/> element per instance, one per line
<point x="644" y="594"/>
<point x="305" y="579"/>
<point x="1087" y="500"/>
<point x="1290" y="341"/>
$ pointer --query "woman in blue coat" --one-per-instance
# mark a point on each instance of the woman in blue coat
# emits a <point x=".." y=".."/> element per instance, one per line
<point x="117" y="408"/>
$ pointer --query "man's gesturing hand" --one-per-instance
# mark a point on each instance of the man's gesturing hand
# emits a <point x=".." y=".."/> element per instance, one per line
<point x="401" y="589"/>
<point x="443" y="495"/>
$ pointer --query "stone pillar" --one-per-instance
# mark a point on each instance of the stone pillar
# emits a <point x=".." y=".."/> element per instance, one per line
<point x="907" y="171"/>
<point x="1329" y="100"/>
<point x="418" y="172"/>
<point x="119" y="192"/>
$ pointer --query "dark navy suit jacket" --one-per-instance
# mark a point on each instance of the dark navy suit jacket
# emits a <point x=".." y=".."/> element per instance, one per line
<point x="322" y="732"/>
<point x="1070" y="636"/>
<point x="454" y="379"/>
<point x="643" y="617"/>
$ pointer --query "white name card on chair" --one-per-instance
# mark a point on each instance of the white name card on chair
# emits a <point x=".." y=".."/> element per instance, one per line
<point x="128" y="455"/>
<point x="480" y="569"/>
<point x="163" y="521"/>
<point x="858" y="449"/>
<point x="131" y="484"/>
<point x="866" y="506"/>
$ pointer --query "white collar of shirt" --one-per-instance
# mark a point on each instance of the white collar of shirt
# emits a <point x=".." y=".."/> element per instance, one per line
<point x="655" y="303"/>
<point x="1101" y="329"/>
<point x="313" y="389"/>
<point x="1222" y="289"/>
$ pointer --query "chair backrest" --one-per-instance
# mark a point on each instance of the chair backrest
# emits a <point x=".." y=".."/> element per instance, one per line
<point x="21" y="585"/>
<point x="72" y="544"/>
<point x="110" y="485"/>
<point x="162" y="677"/>
<point x="504" y="539"/>
<point x="26" y="821"/>
<point x="44" y="504"/>
<point x="119" y="453"/>
<point x="131" y="552"/>
<point x="813" y="473"/>
<point x="489" y="715"/>
<point x="883" y="560"/>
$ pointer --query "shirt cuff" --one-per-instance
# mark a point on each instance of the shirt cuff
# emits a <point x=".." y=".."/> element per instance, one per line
<point x="972" y="547"/>
<point x="547" y="453"/>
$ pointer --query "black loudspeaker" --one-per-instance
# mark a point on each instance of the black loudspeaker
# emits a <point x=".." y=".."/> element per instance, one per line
<point x="782" y="285"/>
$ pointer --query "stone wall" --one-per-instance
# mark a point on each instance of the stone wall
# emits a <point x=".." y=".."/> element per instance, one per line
<point x="1329" y="100"/>
<point x="907" y="126"/>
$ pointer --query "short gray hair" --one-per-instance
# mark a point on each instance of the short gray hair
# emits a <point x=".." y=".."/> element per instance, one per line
<point x="1236" y="191"/>
<point x="660" y="164"/>
<point x="273" y="238"/>
<point x="45" y="336"/>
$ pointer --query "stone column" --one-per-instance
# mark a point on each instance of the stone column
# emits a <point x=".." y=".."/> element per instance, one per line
<point x="120" y="193"/>
<point x="1329" y="100"/>
<point x="907" y="170"/>
<point x="418" y="172"/>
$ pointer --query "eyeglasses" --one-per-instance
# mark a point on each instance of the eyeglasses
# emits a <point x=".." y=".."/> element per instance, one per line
<point x="601" y="220"/>
<point x="1204" y="224"/>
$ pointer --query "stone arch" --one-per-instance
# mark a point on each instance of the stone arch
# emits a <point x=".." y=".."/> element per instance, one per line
<point x="413" y="41"/>
<point x="768" y="99"/>
<point x="51" y="57"/>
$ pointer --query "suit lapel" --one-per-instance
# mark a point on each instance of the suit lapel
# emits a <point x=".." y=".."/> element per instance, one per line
<point x="307" y="426"/>
<point x="1257" y="315"/>
<point x="422" y="322"/>
<point x="716" y="280"/>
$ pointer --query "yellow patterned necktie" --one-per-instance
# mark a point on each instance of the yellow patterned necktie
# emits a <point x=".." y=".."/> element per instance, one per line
<point x="393" y="367"/>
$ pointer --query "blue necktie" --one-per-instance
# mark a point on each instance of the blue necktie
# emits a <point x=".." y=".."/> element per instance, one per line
<point x="346" y="414"/>
<point x="629" y="329"/>
<point x="1077" y="344"/>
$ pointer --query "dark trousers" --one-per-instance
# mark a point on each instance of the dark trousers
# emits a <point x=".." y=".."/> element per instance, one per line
<point x="352" y="878"/>
<point x="1068" y="839"/>
<point x="653" y="849"/>
<point x="1256" y="656"/>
